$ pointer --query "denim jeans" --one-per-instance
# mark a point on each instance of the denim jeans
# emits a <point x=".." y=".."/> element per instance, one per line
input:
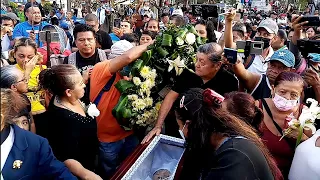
<point x="111" y="154"/>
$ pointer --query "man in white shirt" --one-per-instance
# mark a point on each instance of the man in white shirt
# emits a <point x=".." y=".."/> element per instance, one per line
<point x="267" y="32"/>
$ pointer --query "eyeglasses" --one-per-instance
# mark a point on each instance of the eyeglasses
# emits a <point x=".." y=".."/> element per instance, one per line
<point x="22" y="80"/>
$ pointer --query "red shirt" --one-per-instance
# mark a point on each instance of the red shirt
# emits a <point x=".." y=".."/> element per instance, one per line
<point x="55" y="48"/>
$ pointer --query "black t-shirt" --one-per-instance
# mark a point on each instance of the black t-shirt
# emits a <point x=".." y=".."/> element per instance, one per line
<point x="103" y="39"/>
<point x="83" y="64"/>
<point x="222" y="83"/>
<point x="238" y="158"/>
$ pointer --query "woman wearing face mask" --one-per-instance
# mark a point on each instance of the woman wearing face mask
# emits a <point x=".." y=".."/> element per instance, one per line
<point x="285" y="102"/>
<point x="219" y="145"/>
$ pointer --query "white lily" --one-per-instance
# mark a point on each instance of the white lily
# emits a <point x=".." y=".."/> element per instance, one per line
<point x="93" y="111"/>
<point x="177" y="64"/>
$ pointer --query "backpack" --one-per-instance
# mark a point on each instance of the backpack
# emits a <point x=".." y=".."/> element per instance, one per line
<point x="72" y="59"/>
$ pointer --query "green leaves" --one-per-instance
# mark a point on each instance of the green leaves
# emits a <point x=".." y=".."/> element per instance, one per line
<point x="192" y="29"/>
<point x="299" y="136"/>
<point x="162" y="52"/>
<point x="137" y="67"/>
<point x="123" y="86"/>
<point x="166" y="40"/>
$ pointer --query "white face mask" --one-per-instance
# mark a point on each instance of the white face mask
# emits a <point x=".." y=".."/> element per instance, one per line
<point x="283" y="104"/>
<point x="181" y="132"/>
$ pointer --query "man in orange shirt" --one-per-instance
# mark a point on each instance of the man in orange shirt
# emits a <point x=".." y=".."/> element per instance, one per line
<point x="115" y="142"/>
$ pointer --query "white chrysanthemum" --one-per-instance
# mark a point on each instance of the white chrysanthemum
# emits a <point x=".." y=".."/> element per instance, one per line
<point x="152" y="75"/>
<point x="139" y="104"/>
<point x="145" y="71"/>
<point x="144" y="86"/>
<point x="136" y="81"/>
<point x="190" y="38"/>
<point x="148" y="101"/>
<point x="133" y="97"/>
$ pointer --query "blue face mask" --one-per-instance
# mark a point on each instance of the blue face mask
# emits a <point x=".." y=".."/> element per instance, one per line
<point x="314" y="57"/>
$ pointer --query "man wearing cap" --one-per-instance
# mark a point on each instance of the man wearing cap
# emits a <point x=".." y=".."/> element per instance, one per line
<point x="259" y="85"/>
<point x="32" y="27"/>
<point x="266" y="32"/>
<point x="14" y="17"/>
<point x="33" y="3"/>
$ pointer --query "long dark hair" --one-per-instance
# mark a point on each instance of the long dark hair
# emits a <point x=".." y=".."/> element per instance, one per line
<point x="207" y="118"/>
<point x="211" y="36"/>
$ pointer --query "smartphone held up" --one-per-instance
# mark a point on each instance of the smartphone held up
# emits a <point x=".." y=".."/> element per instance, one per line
<point x="231" y="55"/>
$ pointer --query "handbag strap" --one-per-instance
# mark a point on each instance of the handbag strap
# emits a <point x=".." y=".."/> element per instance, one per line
<point x="270" y="114"/>
<point x="106" y="88"/>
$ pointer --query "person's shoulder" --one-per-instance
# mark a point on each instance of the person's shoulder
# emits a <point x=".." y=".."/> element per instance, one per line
<point x="226" y="76"/>
<point x="22" y="24"/>
<point x="236" y="147"/>
<point x="44" y="23"/>
<point x="32" y="139"/>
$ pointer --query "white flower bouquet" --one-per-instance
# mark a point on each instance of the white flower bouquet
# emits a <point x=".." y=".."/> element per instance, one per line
<point x="140" y="101"/>
<point x="305" y="121"/>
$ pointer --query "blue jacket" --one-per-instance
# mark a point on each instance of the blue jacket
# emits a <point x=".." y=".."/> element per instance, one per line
<point x="38" y="161"/>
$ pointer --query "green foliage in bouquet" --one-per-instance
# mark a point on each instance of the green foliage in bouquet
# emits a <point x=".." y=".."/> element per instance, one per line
<point x="172" y="52"/>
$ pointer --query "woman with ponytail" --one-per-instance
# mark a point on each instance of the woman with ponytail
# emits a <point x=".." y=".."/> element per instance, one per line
<point x="243" y="106"/>
<point x="72" y="133"/>
<point x="220" y="145"/>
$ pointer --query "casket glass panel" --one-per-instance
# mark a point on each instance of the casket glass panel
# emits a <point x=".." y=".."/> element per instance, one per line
<point x="164" y="152"/>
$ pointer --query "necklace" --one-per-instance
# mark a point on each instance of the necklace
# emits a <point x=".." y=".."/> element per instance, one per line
<point x="79" y="117"/>
<point x="60" y="103"/>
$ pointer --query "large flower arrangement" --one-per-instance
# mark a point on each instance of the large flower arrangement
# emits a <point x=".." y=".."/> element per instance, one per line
<point x="305" y="121"/>
<point x="172" y="52"/>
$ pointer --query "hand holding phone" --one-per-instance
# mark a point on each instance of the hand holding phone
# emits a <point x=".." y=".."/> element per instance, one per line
<point x="312" y="20"/>
<point x="231" y="55"/>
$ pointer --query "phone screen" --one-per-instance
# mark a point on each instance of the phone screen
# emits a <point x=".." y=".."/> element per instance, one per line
<point x="231" y="55"/>
<point x="117" y="23"/>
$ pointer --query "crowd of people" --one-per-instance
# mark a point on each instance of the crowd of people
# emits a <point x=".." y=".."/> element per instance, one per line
<point x="232" y="115"/>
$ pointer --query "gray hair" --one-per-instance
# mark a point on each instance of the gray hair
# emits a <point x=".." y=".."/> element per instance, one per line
<point x="9" y="76"/>
<point x="213" y="50"/>
<point x="91" y="17"/>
